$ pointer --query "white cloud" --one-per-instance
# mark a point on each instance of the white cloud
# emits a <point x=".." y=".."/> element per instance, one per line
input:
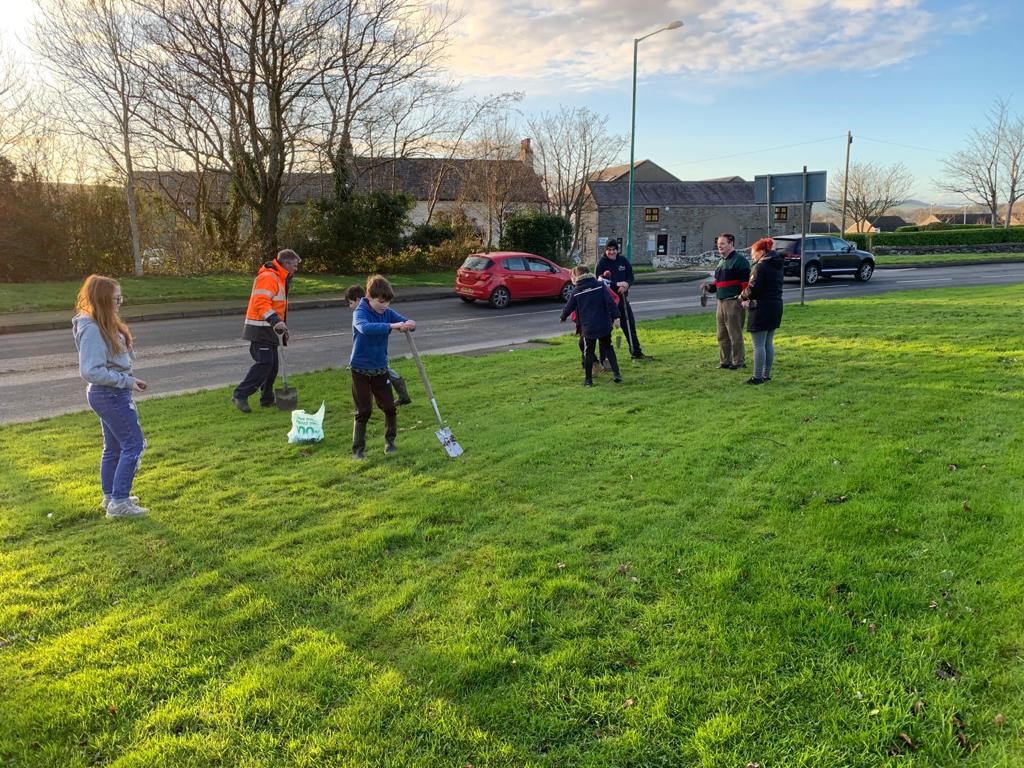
<point x="553" y="45"/>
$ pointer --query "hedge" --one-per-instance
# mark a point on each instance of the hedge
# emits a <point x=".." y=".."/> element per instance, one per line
<point x="970" y="236"/>
<point x="940" y="225"/>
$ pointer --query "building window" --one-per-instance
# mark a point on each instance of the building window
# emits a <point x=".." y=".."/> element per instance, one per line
<point x="651" y="215"/>
<point x="682" y="245"/>
<point x="782" y="213"/>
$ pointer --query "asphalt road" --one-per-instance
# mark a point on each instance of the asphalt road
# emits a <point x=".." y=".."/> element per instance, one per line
<point x="39" y="371"/>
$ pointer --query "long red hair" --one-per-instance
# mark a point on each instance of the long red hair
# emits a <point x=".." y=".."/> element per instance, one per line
<point x="96" y="299"/>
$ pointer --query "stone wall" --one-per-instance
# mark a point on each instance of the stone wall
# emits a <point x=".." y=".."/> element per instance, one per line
<point x="920" y="250"/>
<point x="698" y="224"/>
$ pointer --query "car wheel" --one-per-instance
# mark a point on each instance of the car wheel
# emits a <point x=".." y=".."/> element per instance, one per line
<point x="811" y="274"/>
<point x="867" y="269"/>
<point x="500" y="297"/>
<point x="467" y="299"/>
<point x="566" y="293"/>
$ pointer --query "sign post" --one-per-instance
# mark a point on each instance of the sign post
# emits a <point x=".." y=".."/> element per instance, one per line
<point x="805" y="188"/>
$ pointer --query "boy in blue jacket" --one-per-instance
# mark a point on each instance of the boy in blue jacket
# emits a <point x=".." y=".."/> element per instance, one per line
<point x="596" y="315"/>
<point x="353" y="296"/>
<point x="372" y="324"/>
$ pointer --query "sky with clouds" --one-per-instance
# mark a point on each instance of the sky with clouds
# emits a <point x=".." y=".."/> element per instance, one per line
<point x="749" y="87"/>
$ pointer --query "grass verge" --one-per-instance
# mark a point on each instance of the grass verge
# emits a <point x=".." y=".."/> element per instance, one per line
<point x="680" y="570"/>
<point x="157" y="289"/>
<point x="947" y="259"/>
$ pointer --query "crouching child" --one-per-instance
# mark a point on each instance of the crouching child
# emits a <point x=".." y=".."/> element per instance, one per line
<point x="372" y="324"/>
<point x="596" y="316"/>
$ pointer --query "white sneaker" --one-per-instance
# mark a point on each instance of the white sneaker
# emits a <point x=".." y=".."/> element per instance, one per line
<point x="106" y="502"/>
<point x="126" y="508"/>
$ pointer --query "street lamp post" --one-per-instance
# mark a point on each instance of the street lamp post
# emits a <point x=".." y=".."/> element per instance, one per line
<point x="632" y="138"/>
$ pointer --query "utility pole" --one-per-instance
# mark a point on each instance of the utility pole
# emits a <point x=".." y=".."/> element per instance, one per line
<point x="846" y="182"/>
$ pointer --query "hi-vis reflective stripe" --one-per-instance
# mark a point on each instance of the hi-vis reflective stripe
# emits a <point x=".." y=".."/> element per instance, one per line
<point x="264" y="292"/>
<point x="256" y="322"/>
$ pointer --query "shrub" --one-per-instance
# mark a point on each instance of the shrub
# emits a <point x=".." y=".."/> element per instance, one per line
<point x="545" y="234"/>
<point x="970" y="235"/>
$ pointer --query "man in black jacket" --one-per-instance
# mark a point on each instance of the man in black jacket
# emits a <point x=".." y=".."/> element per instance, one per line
<point x="619" y="272"/>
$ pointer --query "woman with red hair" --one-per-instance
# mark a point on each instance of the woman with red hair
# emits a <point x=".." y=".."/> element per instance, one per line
<point x="105" y="359"/>
<point x="763" y="299"/>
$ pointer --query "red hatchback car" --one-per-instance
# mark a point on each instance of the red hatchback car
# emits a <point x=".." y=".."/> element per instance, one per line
<point x="504" y="276"/>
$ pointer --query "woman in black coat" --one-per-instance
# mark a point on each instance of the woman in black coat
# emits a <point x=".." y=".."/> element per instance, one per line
<point x="763" y="299"/>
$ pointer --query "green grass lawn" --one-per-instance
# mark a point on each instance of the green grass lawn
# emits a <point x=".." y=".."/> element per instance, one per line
<point x="15" y="297"/>
<point x="680" y="570"/>
<point x="946" y="258"/>
<point x="20" y="297"/>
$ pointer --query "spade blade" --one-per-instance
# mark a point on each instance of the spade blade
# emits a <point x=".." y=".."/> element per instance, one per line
<point x="451" y="446"/>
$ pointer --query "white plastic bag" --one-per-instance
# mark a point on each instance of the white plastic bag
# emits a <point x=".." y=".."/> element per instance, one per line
<point x="307" y="427"/>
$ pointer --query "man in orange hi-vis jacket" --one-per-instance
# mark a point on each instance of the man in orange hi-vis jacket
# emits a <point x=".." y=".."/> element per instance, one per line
<point x="264" y="325"/>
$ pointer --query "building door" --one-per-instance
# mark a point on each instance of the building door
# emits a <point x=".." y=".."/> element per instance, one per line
<point x="662" y="245"/>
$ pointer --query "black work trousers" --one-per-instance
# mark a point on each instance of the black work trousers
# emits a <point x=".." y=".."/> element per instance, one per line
<point x="262" y="374"/>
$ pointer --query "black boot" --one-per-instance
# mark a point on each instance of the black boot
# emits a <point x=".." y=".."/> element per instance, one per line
<point x="358" y="440"/>
<point x="390" y="432"/>
<point x="402" y="389"/>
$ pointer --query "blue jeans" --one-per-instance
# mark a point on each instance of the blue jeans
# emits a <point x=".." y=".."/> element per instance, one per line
<point x="764" y="352"/>
<point x="123" y="442"/>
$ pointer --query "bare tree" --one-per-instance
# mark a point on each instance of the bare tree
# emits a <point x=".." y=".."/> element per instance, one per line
<point x="17" y="112"/>
<point x="383" y="47"/>
<point x="1012" y="162"/>
<point x="91" y="47"/>
<point x="572" y="144"/>
<point x="872" y="190"/>
<point x="265" y="85"/>
<point x="447" y="143"/>
<point x="494" y="179"/>
<point x="974" y="171"/>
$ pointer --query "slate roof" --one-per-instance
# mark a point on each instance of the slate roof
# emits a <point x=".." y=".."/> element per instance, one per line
<point x="824" y="227"/>
<point x="889" y="223"/>
<point x="668" y="193"/>
<point x="972" y="218"/>
<point x="413" y="175"/>
<point x="621" y="172"/>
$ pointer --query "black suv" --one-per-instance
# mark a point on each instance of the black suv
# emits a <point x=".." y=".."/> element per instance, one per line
<point x="826" y="257"/>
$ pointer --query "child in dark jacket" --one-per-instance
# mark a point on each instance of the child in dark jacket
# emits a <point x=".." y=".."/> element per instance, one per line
<point x="596" y="316"/>
<point x="353" y="296"/>
<point x="372" y="324"/>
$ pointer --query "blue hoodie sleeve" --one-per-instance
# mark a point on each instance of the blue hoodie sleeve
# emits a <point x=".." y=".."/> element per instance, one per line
<point x="93" y="365"/>
<point x="367" y="323"/>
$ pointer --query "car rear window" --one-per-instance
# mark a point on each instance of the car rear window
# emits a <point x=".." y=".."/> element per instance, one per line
<point x="783" y="247"/>
<point x="476" y="263"/>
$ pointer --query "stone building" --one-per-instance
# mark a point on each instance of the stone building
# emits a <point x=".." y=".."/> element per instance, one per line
<point x="673" y="219"/>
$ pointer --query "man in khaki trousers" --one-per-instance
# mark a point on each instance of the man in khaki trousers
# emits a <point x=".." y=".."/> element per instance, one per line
<point x="731" y="276"/>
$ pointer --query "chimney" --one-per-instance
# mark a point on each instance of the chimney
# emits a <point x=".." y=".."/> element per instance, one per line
<point x="526" y="154"/>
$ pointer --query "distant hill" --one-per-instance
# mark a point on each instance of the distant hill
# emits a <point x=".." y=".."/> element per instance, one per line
<point x="914" y="204"/>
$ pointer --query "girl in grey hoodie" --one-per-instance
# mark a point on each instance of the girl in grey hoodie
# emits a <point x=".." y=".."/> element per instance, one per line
<point x="105" y="357"/>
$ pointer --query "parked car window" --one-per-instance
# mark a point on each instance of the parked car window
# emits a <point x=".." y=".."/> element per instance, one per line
<point x="515" y="264"/>
<point x="536" y="265"/>
<point x="838" y="244"/>
<point x="819" y="244"/>
<point x="783" y="247"/>
<point x="476" y="263"/>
